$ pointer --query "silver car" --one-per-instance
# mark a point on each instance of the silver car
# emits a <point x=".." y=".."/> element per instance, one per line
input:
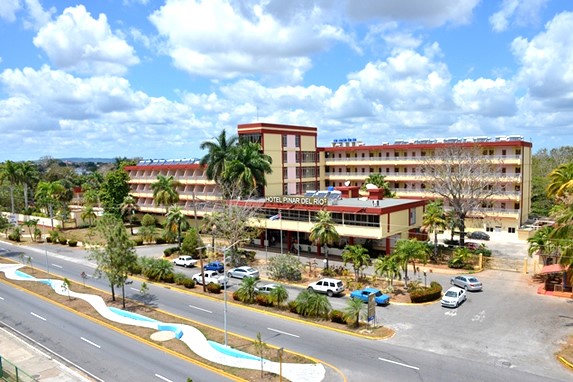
<point x="242" y="272"/>
<point x="266" y="289"/>
<point x="466" y="282"/>
<point x="454" y="297"/>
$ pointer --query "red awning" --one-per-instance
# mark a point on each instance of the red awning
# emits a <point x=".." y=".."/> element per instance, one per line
<point x="553" y="268"/>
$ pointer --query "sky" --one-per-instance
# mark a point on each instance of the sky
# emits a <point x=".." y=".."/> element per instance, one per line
<point x="154" y="79"/>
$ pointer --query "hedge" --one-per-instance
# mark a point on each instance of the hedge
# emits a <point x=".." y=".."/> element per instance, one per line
<point x="433" y="293"/>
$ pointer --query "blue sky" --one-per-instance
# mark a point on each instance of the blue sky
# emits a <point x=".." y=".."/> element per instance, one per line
<point x="154" y="79"/>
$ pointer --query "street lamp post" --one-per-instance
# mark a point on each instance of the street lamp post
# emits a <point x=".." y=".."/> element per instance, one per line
<point x="225" y="286"/>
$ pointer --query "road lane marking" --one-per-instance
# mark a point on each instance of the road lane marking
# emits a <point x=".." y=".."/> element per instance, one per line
<point x="451" y="313"/>
<point x="37" y="316"/>
<point x="135" y="289"/>
<point x="399" y="363"/>
<point x="479" y="317"/>
<point x="57" y="266"/>
<point x="196" y="307"/>
<point x="281" y="332"/>
<point x="163" y="378"/>
<point x="1" y="298"/>
<point x="91" y="343"/>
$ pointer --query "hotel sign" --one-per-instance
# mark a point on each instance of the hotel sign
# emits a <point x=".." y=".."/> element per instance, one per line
<point x="302" y="200"/>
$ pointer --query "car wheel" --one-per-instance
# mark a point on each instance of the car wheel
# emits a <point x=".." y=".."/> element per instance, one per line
<point x="329" y="293"/>
<point x="310" y="289"/>
<point x="452" y="282"/>
<point x="229" y="275"/>
<point x="465" y="287"/>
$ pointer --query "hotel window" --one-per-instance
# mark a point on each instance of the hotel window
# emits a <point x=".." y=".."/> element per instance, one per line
<point x="363" y="170"/>
<point x="362" y="155"/>
<point x="285" y="189"/>
<point x="518" y="170"/>
<point x="517" y="187"/>
<point x="396" y="154"/>
<point x="503" y="206"/>
<point x="285" y="173"/>
<point x="285" y="157"/>
<point x="387" y="155"/>
<point x="371" y="169"/>
<point x="297" y="140"/>
<point x="503" y="152"/>
<point x="387" y="170"/>
<point x="284" y="140"/>
<point x="516" y="206"/>
<point x="413" y="154"/>
<point x="510" y="229"/>
<point x="414" y="170"/>
<point x="517" y="151"/>
<point x="423" y="153"/>
<point x="396" y="169"/>
<point x="340" y="169"/>
<point x="412" y="216"/>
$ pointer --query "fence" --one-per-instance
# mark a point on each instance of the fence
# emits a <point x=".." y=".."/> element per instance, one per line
<point x="11" y="373"/>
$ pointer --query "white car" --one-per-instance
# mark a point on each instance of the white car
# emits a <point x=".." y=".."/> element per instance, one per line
<point x="185" y="261"/>
<point x="266" y="289"/>
<point x="454" y="297"/>
<point x="242" y="272"/>
<point x="328" y="286"/>
<point x="210" y="277"/>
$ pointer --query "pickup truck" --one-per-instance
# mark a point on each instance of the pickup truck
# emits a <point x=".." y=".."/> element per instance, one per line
<point x="210" y="277"/>
<point x="185" y="261"/>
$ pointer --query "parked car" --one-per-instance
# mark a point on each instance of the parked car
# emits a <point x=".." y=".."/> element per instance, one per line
<point x="210" y="277"/>
<point x="471" y="245"/>
<point x="266" y="289"/>
<point x="242" y="272"/>
<point x="329" y="286"/>
<point x="478" y="235"/>
<point x="214" y="266"/>
<point x="185" y="261"/>
<point x="466" y="282"/>
<point x="454" y="297"/>
<point x="363" y="294"/>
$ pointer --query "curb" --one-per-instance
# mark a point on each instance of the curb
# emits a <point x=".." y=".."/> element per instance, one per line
<point x="565" y="362"/>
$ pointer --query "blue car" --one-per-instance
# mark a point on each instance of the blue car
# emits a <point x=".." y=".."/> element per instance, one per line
<point x="214" y="266"/>
<point x="362" y="294"/>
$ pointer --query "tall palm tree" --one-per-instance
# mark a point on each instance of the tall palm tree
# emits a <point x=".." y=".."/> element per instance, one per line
<point x="540" y="243"/>
<point x="88" y="213"/>
<point x="247" y="168"/>
<point x="10" y="173"/>
<point x="560" y="181"/>
<point x="49" y="194"/>
<point x="323" y="232"/>
<point x="247" y="290"/>
<point x="434" y="220"/>
<point x="312" y="304"/>
<point x="28" y="175"/>
<point x="358" y="256"/>
<point x="379" y="181"/>
<point x="165" y="191"/>
<point x="220" y="152"/>
<point x="176" y="221"/>
<point x="388" y="267"/>
<point x="279" y="294"/>
<point x="354" y="309"/>
<point x="563" y="232"/>
<point x="128" y="209"/>
<point x="407" y="251"/>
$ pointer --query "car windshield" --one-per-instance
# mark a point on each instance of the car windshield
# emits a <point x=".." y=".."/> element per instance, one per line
<point x="378" y="294"/>
<point x="451" y="293"/>
<point x="473" y="280"/>
<point x="249" y="269"/>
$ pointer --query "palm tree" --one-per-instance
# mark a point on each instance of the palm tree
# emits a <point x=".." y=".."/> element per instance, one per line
<point x="410" y="250"/>
<point x="563" y="232"/>
<point x="561" y="181"/>
<point x="219" y="154"/>
<point x="541" y="243"/>
<point x="354" y="309"/>
<point x="388" y="267"/>
<point x="379" y="181"/>
<point x="48" y="194"/>
<point x="11" y="173"/>
<point x="358" y="256"/>
<point x="247" y="290"/>
<point x="175" y="222"/>
<point x="247" y="168"/>
<point x="32" y="225"/>
<point x="88" y="213"/>
<point x="279" y="294"/>
<point x="28" y="175"/>
<point x="434" y="220"/>
<point x="312" y="304"/>
<point x="324" y="232"/>
<point x="165" y="191"/>
<point x="159" y="269"/>
<point x="128" y="209"/>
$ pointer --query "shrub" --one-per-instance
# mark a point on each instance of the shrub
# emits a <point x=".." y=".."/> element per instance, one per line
<point x="138" y="241"/>
<point x="328" y="272"/>
<point x="15" y="235"/>
<point x="264" y="300"/>
<point x="72" y="243"/>
<point x="179" y="278"/>
<point x="48" y="239"/>
<point x="135" y="268"/>
<point x="170" y="251"/>
<point x="189" y="283"/>
<point x="432" y="293"/>
<point x="285" y="267"/>
<point x="63" y="241"/>
<point x="337" y="317"/>
<point x="214" y="288"/>
<point x="292" y="306"/>
<point x="159" y="240"/>
<point x="236" y="296"/>
<point x="455" y="264"/>
<point x="168" y="278"/>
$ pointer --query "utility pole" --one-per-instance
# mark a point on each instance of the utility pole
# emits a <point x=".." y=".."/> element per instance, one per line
<point x="197" y="232"/>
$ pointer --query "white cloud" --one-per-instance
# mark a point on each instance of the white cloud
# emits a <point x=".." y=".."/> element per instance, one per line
<point x="430" y="13"/>
<point x="8" y="9"/>
<point x="519" y="12"/>
<point x="493" y="98"/>
<point x="214" y="39"/>
<point x="80" y="43"/>
<point x="547" y="64"/>
<point x="37" y="17"/>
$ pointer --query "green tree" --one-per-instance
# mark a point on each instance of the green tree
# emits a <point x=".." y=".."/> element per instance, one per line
<point x="159" y="269"/>
<point x="165" y="191"/>
<point x="540" y="243"/>
<point x="560" y="181"/>
<point x="10" y="172"/>
<point x="462" y="256"/>
<point x="113" y="191"/>
<point x="191" y="243"/>
<point x="279" y="295"/>
<point x="219" y="152"/>
<point x="323" y="232"/>
<point x="358" y="256"/>
<point x="311" y="304"/>
<point x="148" y="228"/>
<point x="247" y="168"/>
<point x="285" y="267"/>
<point x="88" y="214"/>
<point x="28" y="174"/>
<point x="31" y="224"/>
<point x="407" y="251"/>
<point x="387" y="266"/>
<point x="4" y="224"/>
<point x="114" y="254"/>
<point x="176" y="222"/>
<point x="260" y="348"/>
<point x="434" y="221"/>
<point x="50" y="194"/>
<point x="354" y="309"/>
<point x="128" y="209"/>
<point x="247" y="290"/>
<point x="379" y="181"/>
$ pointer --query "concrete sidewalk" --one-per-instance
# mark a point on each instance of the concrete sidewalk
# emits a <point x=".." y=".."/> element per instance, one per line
<point x="35" y="362"/>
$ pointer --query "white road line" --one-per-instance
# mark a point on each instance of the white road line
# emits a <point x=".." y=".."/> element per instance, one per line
<point x="37" y="316"/>
<point x="399" y="363"/>
<point x="91" y="343"/>
<point x="1" y="298"/>
<point x="163" y="378"/>
<point x="281" y="332"/>
<point x="57" y="266"/>
<point x="196" y="307"/>
<point x="135" y="289"/>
